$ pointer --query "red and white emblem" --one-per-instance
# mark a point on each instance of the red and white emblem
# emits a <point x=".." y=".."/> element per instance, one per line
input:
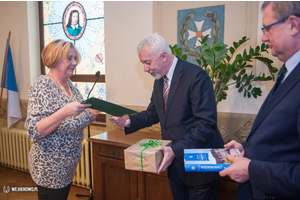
<point x="74" y="21"/>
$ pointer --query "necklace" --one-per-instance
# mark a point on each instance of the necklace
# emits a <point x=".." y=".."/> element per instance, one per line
<point x="71" y="96"/>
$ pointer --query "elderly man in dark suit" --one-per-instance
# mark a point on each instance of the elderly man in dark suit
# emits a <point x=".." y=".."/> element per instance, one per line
<point x="270" y="168"/>
<point x="184" y="104"/>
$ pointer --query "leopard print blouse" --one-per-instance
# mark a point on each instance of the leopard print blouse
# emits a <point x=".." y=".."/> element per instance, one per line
<point x="53" y="159"/>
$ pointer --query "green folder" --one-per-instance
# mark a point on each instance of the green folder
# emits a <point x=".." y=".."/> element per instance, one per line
<point x="107" y="107"/>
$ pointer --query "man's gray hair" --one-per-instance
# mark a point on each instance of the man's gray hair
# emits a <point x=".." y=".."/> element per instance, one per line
<point x="156" y="43"/>
<point x="283" y="9"/>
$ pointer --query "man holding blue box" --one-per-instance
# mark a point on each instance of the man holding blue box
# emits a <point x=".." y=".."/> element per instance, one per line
<point x="270" y="168"/>
<point x="183" y="102"/>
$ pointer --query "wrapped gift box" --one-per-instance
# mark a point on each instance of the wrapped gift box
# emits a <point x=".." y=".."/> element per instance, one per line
<point x="208" y="160"/>
<point x="142" y="156"/>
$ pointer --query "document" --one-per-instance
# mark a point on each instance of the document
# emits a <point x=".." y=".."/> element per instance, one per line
<point x="107" y="107"/>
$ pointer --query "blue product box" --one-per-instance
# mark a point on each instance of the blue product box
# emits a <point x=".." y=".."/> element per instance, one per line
<point x="208" y="160"/>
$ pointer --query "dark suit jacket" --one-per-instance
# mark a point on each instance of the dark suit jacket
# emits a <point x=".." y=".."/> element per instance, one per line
<point x="190" y="120"/>
<point x="273" y="145"/>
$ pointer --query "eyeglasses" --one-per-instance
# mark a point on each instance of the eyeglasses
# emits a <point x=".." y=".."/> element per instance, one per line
<point x="265" y="29"/>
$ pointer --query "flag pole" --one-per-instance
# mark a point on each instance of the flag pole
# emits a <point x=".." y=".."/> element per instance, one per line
<point x="4" y="67"/>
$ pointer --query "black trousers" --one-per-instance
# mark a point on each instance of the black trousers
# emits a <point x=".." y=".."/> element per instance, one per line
<point x="180" y="191"/>
<point x="53" y="194"/>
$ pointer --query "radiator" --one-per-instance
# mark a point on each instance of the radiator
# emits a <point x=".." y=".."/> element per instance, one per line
<point x="82" y="175"/>
<point x="14" y="153"/>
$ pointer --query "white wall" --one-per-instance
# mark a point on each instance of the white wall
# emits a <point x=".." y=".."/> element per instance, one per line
<point x="126" y="24"/>
<point x="13" y="15"/>
<point x="34" y="40"/>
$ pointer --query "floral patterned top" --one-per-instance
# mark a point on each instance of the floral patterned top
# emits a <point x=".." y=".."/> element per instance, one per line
<point x="53" y="159"/>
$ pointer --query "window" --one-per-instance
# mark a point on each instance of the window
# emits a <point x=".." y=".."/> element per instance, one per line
<point x="83" y="24"/>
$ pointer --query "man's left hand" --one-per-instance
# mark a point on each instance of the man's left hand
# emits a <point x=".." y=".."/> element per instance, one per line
<point x="168" y="158"/>
<point x="238" y="170"/>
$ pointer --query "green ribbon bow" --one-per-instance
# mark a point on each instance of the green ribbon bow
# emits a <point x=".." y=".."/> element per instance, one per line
<point x="152" y="144"/>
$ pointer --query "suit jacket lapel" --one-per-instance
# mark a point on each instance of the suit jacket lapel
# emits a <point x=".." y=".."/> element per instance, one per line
<point x="280" y="93"/>
<point x="174" y="85"/>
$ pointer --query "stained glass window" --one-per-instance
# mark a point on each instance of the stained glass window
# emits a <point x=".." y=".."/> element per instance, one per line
<point x="81" y="23"/>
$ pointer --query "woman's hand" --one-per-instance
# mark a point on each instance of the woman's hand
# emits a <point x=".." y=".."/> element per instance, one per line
<point x="75" y="108"/>
<point x="49" y="124"/>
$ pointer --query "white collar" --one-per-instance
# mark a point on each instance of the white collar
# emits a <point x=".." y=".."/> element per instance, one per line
<point x="291" y="63"/>
<point x="74" y="27"/>
<point x="171" y="70"/>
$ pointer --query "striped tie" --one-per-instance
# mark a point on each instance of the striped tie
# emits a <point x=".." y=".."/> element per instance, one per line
<point x="166" y="91"/>
<point x="281" y="75"/>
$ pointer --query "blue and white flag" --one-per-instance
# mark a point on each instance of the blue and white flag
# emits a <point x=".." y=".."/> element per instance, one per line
<point x="13" y="102"/>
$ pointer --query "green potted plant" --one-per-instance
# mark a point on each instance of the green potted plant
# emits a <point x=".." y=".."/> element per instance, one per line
<point x="226" y="67"/>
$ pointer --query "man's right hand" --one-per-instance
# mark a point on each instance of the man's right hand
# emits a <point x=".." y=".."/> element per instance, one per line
<point x="122" y="122"/>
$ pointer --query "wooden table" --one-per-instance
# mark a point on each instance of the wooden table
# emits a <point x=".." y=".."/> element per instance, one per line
<point x="112" y="181"/>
